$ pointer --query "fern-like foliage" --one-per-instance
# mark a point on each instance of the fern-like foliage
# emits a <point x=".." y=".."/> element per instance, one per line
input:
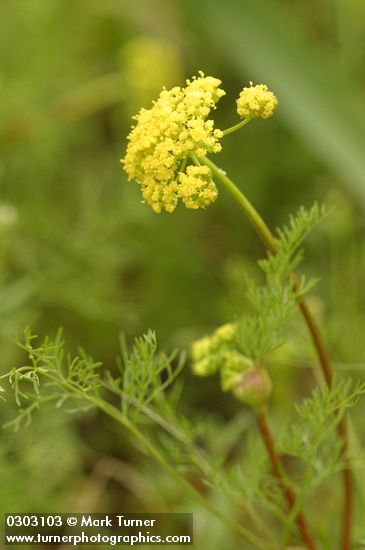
<point x="261" y="331"/>
<point x="147" y="392"/>
<point x="289" y="253"/>
<point x="144" y="373"/>
<point x="312" y="437"/>
<point x="144" y="376"/>
<point x="61" y="378"/>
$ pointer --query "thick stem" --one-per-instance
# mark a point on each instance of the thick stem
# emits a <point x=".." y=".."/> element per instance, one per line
<point x="271" y="245"/>
<point x="290" y="496"/>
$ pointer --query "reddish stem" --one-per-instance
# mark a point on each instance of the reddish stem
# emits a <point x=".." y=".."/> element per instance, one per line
<point x="341" y="428"/>
<point x="290" y="496"/>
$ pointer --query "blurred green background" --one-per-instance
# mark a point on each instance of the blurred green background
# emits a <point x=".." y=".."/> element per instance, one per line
<point x="79" y="250"/>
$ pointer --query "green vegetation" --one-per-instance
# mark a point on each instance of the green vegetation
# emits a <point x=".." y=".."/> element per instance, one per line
<point x="116" y="406"/>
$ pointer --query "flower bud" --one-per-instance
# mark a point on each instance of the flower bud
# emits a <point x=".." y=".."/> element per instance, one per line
<point x="253" y="387"/>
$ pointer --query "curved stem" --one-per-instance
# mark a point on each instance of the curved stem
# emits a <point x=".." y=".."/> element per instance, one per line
<point x="290" y="496"/>
<point x="237" y="126"/>
<point x="271" y="245"/>
<point x="249" y="210"/>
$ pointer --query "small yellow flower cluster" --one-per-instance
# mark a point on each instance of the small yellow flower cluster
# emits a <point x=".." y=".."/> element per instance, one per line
<point x="163" y="138"/>
<point x="197" y="189"/>
<point x="208" y="352"/>
<point x="256" y="101"/>
<point x="247" y="381"/>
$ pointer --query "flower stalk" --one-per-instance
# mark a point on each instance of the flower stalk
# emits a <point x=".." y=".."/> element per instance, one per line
<point x="268" y="441"/>
<point x="237" y="126"/>
<point x="269" y="242"/>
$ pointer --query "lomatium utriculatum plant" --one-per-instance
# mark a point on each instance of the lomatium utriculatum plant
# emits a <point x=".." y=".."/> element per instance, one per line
<point x="167" y="155"/>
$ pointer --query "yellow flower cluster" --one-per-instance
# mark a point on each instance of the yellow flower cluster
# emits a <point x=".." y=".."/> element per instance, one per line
<point x="248" y="381"/>
<point x="208" y="352"/>
<point x="256" y="101"/>
<point x="197" y="189"/>
<point x="165" y="135"/>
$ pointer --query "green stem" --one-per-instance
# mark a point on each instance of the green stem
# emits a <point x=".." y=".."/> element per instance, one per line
<point x="249" y="210"/>
<point x="237" y="126"/>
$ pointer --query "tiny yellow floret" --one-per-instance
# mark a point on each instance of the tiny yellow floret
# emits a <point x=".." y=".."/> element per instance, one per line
<point x="164" y="136"/>
<point x="256" y="101"/>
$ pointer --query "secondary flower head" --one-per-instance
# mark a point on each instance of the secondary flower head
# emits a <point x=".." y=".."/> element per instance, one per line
<point x="256" y="101"/>
<point x="165" y="135"/>
<point x="208" y="353"/>
<point x="247" y="380"/>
